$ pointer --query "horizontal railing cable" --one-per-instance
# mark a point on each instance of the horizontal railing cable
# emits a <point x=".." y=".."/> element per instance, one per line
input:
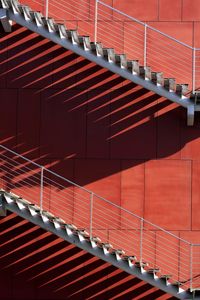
<point x="144" y="24"/>
<point x="112" y="223"/>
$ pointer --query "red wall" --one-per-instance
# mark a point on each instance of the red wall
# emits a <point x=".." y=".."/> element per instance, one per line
<point x="119" y="140"/>
<point x="37" y="265"/>
<point x="179" y="18"/>
<point x="113" y="137"/>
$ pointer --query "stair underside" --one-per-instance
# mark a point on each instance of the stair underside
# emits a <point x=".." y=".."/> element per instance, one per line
<point x="9" y="13"/>
<point x="45" y="220"/>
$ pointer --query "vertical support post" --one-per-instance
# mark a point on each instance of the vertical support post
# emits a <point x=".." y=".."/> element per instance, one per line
<point x="46" y="8"/>
<point x="91" y="212"/>
<point x="193" y="70"/>
<point x="145" y="45"/>
<point x="95" y="20"/>
<point x="41" y="187"/>
<point x="191" y="267"/>
<point x="141" y="238"/>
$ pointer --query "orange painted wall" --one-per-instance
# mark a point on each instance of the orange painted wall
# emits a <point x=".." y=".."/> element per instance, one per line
<point x="113" y="137"/>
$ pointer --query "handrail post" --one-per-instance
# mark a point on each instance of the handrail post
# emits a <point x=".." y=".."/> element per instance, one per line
<point x="91" y="212"/>
<point x="46" y="8"/>
<point x="145" y="45"/>
<point x="95" y="20"/>
<point x="191" y="267"/>
<point x="41" y="188"/>
<point x="141" y="238"/>
<point x="193" y="70"/>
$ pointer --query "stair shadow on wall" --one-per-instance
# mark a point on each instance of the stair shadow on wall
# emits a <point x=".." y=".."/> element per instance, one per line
<point x="80" y="120"/>
<point x="105" y="121"/>
<point x="49" y="267"/>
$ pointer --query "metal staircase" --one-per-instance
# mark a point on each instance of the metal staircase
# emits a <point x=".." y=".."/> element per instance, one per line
<point x="11" y="10"/>
<point x="83" y="218"/>
<point x="86" y="239"/>
<point x="93" y="245"/>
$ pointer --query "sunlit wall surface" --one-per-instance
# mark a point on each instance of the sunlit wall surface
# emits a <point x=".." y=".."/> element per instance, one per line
<point x="121" y="141"/>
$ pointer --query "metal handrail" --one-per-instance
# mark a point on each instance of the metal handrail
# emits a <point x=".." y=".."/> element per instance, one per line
<point x="90" y="191"/>
<point x="40" y="166"/>
<point x="151" y="57"/>
<point x="47" y="2"/>
<point x="145" y="25"/>
<point x="146" y="221"/>
<point x="181" y="64"/>
<point x="98" y="214"/>
<point x="91" y="204"/>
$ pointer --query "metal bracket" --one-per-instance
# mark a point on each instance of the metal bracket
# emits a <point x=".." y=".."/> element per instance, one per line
<point x="190" y="115"/>
<point x="2" y="206"/>
<point x="6" y="23"/>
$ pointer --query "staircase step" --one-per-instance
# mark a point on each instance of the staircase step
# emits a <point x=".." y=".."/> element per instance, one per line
<point x="62" y="30"/>
<point x="157" y="78"/>
<point x="140" y="264"/>
<point x="51" y="25"/>
<point x="148" y="72"/>
<point x="177" y="283"/>
<point x="181" y="89"/>
<point x="195" y="97"/>
<point x="109" y="54"/>
<point x="142" y="72"/>
<point x="22" y="203"/>
<point x="97" y="48"/>
<point x="95" y="241"/>
<point x="166" y="276"/>
<point x="47" y="216"/>
<point x="153" y="270"/>
<point x="34" y="209"/>
<point x="170" y="84"/>
<point x="118" y="253"/>
<point x="38" y="18"/>
<point x="85" y="42"/>
<point x="107" y="248"/>
<point x="5" y="4"/>
<point x="83" y="235"/>
<point x="121" y="60"/>
<point x="16" y="8"/>
<point x="58" y="222"/>
<point x="133" y="66"/>
<point x="73" y="35"/>
<point x="26" y="11"/>
<point x="132" y="258"/>
<point x="71" y="229"/>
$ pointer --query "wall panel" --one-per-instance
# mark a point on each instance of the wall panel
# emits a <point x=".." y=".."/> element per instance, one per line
<point x="117" y="139"/>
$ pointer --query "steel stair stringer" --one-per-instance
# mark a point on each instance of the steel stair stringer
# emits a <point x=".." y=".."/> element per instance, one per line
<point x="34" y="25"/>
<point x="32" y="213"/>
